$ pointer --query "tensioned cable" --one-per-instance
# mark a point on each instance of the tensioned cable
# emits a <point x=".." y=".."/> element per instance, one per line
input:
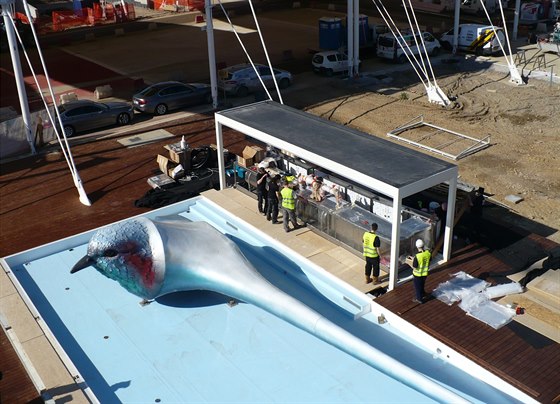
<point x="75" y="175"/>
<point x="266" y="52"/>
<point x="505" y="31"/>
<point x="510" y="60"/>
<point x="40" y="92"/>
<point x="435" y="86"/>
<point x="422" y="50"/>
<point x="244" y="49"/>
<point x="390" y="26"/>
<point x="422" y="40"/>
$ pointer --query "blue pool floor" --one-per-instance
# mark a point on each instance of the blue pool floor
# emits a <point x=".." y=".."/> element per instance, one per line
<point x="202" y="347"/>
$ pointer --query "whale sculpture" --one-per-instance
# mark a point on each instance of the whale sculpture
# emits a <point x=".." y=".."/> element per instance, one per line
<point x="153" y="258"/>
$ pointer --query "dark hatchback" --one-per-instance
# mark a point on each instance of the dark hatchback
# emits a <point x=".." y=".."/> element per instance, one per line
<point x="162" y="97"/>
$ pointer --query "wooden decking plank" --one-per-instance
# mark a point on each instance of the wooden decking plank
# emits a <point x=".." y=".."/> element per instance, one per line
<point x="15" y="384"/>
<point x="483" y="363"/>
<point x="505" y="352"/>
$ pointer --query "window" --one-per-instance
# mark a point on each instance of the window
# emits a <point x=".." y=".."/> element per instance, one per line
<point x="172" y="90"/>
<point x="86" y="109"/>
<point x="428" y="37"/>
<point x="76" y="111"/>
<point x="332" y="58"/>
<point x="264" y="71"/>
<point x="148" y="92"/>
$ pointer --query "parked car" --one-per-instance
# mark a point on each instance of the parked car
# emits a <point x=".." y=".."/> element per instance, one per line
<point x="82" y="115"/>
<point x="165" y="96"/>
<point x="240" y="80"/>
<point x="389" y="48"/>
<point x="329" y="62"/>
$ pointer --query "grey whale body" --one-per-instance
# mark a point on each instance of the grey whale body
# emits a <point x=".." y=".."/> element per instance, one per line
<point x="152" y="258"/>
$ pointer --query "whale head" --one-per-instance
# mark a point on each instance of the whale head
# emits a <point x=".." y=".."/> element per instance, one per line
<point x="130" y="253"/>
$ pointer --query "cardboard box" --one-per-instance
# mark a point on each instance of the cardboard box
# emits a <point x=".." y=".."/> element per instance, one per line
<point x="162" y="181"/>
<point x="166" y="166"/>
<point x="255" y="153"/>
<point x="175" y="152"/>
<point x="245" y="162"/>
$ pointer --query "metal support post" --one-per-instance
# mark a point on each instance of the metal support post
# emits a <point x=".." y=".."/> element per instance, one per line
<point x="450" y="219"/>
<point x="350" y="35"/>
<point x="356" y="26"/>
<point x="211" y="53"/>
<point x="220" y="151"/>
<point x="516" y="19"/>
<point x="395" y="237"/>
<point x="456" y="26"/>
<point x="7" y="8"/>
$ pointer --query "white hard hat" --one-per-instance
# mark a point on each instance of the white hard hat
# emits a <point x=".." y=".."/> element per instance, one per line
<point x="419" y="244"/>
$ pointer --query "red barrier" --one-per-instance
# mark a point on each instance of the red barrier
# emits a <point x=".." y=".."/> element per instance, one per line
<point x="62" y="20"/>
<point x="189" y="5"/>
<point x="66" y="19"/>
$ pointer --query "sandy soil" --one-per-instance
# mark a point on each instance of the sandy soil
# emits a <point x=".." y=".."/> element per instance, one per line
<point x="523" y="123"/>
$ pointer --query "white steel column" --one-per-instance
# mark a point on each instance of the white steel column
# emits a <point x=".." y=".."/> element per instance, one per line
<point x="350" y="36"/>
<point x="220" y="151"/>
<point x="211" y="53"/>
<point x="450" y="218"/>
<point x="456" y="25"/>
<point x="395" y="240"/>
<point x="516" y="18"/>
<point x="356" y="22"/>
<point x="18" y="75"/>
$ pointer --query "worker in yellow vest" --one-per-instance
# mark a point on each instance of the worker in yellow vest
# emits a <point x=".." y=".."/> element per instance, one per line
<point x="420" y="268"/>
<point x="371" y="253"/>
<point x="289" y="206"/>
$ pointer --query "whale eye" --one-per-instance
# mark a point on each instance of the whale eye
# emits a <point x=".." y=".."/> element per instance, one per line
<point x="110" y="252"/>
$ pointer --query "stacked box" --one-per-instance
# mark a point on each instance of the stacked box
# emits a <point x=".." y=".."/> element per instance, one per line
<point x="175" y="152"/>
<point x="251" y="155"/>
<point x="166" y="166"/>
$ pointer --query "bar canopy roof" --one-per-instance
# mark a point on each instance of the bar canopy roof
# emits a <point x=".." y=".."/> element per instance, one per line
<point x="377" y="164"/>
<point x="340" y="149"/>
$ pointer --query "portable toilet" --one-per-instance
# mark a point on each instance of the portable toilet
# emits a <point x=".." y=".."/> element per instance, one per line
<point x="364" y="31"/>
<point x="330" y="33"/>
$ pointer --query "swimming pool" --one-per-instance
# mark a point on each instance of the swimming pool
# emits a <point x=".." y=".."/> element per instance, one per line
<point x="199" y="347"/>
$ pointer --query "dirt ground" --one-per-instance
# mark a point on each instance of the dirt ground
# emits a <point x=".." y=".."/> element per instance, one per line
<point x="523" y="123"/>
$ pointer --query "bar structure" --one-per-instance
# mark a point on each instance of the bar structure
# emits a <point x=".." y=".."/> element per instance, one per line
<point x="374" y="163"/>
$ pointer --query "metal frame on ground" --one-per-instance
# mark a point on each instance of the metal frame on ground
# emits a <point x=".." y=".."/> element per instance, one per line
<point x="478" y="144"/>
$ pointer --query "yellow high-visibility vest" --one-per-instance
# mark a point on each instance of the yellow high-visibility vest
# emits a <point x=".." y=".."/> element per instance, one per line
<point x="288" y="200"/>
<point x="369" y="250"/>
<point x="423" y="259"/>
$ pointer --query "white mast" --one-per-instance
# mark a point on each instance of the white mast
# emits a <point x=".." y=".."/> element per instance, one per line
<point x="7" y="11"/>
<point x="7" y="6"/>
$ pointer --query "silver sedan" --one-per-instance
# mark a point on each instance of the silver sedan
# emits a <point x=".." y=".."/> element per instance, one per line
<point x="162" y="97"/>
<point x="83" y="115"/>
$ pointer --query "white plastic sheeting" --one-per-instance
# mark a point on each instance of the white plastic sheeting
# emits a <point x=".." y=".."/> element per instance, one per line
<point x="460" y="285"/>
<point x="492" y="313"/>
<point x="503" y="290"/>
<point x="475" y="298"/>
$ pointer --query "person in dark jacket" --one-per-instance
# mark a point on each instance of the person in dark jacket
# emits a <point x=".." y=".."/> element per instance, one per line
<point x="262" y="176"/>
<point x="273" y="196"/>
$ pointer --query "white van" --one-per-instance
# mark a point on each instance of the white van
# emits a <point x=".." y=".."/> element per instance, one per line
<point x="388" y="47"/>
<point x="476" y="38"/>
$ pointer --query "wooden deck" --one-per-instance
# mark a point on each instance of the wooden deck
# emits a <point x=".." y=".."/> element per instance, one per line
<point x="39" y="204"/>
<point x="15" y="384"/>
<point x="519" y="355"/>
